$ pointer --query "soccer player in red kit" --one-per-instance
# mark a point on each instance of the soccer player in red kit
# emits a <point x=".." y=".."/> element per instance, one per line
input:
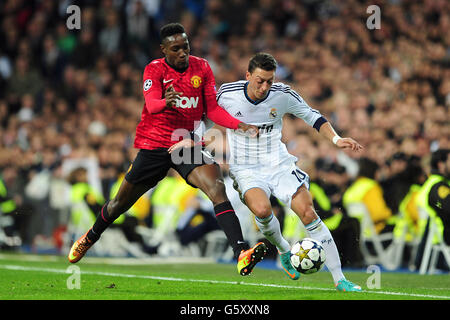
<point x="178" y="90"/>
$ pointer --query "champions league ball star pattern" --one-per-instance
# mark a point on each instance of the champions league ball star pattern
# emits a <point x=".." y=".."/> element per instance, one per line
<point x="307" y="256"/>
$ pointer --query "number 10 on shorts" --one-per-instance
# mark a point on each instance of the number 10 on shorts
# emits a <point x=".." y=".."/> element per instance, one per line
<point x="301" y="177"/>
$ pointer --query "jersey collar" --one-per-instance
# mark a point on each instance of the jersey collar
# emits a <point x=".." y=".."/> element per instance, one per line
<point x="176" y="69"/>
<point x="254" y="102"/>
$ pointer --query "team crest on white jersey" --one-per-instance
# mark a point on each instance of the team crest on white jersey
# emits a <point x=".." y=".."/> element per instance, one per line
<point x="273" y="113"/>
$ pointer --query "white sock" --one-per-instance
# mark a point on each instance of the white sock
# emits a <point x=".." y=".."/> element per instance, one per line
<point x="270" y="228"/>
<point x="319" y="231"/>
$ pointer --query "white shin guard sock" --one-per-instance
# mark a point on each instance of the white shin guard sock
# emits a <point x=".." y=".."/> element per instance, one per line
<point x="318" y="231"/>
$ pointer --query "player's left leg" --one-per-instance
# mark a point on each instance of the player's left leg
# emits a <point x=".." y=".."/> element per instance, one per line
<point x="302" y="205"/>
<point x="257" y="200"/>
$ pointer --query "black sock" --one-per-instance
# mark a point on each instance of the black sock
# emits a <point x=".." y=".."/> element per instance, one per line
<point x="229" y="222"/>
<point x="103" y="221"/>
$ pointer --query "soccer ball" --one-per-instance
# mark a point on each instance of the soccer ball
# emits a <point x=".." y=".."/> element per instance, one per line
<point x="307" y="256"/>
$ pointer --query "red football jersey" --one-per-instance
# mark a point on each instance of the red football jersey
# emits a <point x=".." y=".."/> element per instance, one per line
<point x="198" y="87"/>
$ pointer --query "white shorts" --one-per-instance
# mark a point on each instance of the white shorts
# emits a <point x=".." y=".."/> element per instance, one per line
<point x="282" y="181"/>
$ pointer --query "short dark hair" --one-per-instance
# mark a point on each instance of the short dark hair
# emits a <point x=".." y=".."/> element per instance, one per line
<point x="367" y="168"/>
<point x="438" y="156"/>
<point x="263" y="61"/>
<point x="171" y="29"/>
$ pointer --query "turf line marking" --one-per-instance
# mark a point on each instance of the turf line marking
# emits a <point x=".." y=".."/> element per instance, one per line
<point x="124" y="275"/>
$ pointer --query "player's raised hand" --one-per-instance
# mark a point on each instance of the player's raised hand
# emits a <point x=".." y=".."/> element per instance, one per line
<point x="251" y="129"/>
<point x="348" y="143"/>
<point x="172" y="96"/>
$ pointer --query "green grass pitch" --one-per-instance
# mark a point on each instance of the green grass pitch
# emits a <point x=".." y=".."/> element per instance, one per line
<point x="28" y="277"/>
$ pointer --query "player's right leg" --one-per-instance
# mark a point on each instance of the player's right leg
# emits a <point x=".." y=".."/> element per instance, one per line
<point x="127" y="195"/>
<point x="258" y="202"/>
<point x="149" y="167"/>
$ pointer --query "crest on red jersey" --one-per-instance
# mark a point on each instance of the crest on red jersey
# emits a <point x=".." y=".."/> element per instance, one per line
<point x="196" y="81"/>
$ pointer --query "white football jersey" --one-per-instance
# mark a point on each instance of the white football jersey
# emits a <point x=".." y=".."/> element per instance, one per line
<point x="267" y="114"/>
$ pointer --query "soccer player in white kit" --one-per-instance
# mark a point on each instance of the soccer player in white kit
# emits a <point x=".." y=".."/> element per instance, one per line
<point x="261" y="166"/>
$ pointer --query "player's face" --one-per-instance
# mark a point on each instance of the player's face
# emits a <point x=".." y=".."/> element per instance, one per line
<point x="259" y="83"/>
<point x="176" y="49"/>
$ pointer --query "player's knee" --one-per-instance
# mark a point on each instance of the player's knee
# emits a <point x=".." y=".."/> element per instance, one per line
<point x="216" y="192"/>
<point x="262" y="210"/>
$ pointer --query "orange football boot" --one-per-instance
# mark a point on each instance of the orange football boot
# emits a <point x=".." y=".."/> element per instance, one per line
<point x="249" y="258"/>
<point x="79" y="248"/>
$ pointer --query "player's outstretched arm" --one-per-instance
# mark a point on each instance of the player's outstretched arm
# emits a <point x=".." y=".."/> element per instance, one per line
<point x="188" y="142"/>
<point x="221" y="117"/>
<point x="344" y="143"/>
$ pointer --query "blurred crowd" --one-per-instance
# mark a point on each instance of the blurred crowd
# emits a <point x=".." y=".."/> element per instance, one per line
<point x="76" y="94"/>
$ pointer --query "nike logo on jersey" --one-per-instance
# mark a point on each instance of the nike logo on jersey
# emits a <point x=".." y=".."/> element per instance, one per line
<point x="167" y="81"/>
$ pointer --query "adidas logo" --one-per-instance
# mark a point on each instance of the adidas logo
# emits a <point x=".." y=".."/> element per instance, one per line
<point x="238" y="114"/>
